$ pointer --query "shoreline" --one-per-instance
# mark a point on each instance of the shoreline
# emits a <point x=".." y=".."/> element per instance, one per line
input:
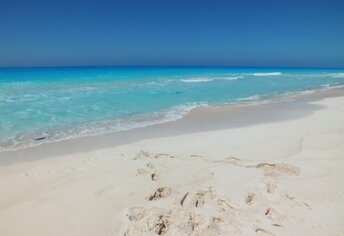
<point x="199" y="119"/>
<point x="238" y="114"/>
<point x="186" y="111"/>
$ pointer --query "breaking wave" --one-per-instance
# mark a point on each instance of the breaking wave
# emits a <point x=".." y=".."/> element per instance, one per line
<point x="267" y="74"/>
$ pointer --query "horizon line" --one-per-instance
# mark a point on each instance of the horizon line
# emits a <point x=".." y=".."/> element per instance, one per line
<point x="150" y="66"/>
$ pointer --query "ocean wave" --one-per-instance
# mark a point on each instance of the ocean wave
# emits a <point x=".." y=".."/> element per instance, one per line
<point x="267" y="74"/>
<point x="337" y="75"/>
<point x="20" y="141"/>
<point x="292" y="94"/>
<point x="233" y="78"/>
<point x="159" y="82"/>
<point x="197" y="80"/>
<point x="201" y="80"/>
<point x="20" y="98"/>
<point x="250" y="98"/>
<point x="331" y="86"/>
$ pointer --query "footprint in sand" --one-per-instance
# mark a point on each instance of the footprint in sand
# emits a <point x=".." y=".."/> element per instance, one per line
<point x="160" y="155"/>
<point x="183" y="198"/>
<point x="250" y="198"/>
<point x="227" y="160"/>
<point x="142" y="154"/>
<point x="271" y="187"/>
<point x="146" y="154"/>
<point x="232" y="160"/>
<point x="189" y="216"/>
<point x="202" y="197"/>
<point x="196" y="155"/>
<point x="149" y="170"/>
<point x="161" y="192"/>
<point x="141" y="171"/>
<point x="278" y="169"/>
<point x="297" y="202"/>
<point x="150" y="166"/>
<point x="136" y="213"/>
<point x="154" y="220"/>
<point x="154" y="177"/>
<point x="263" y="232"/>
<point x="275" y="216"/>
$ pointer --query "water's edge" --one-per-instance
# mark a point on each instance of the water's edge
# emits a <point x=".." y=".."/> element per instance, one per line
<point x="292" y="105"/>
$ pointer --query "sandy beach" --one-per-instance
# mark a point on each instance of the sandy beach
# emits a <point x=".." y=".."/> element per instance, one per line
<point x="269" y="169"/>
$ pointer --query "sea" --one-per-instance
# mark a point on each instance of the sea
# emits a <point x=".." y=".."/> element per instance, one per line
<point x="40" y="105"/>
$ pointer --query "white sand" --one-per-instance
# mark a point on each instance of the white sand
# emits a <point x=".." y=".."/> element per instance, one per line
<point x="278" y="178"/>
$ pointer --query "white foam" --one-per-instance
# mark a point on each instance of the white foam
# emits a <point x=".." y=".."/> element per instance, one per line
<point x="268" y="74"/>
<point x="233" y="78"/>
<point x="250" y="98"/>
<point x="201" y="80"/>
<point x="91" y="129"/>
<point x="337" y="75"/>
<point x="197" y="80"/>
<point x="298" y="93"/>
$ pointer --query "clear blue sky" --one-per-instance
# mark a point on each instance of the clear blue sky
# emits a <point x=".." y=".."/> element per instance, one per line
<point x="291" y="33"/>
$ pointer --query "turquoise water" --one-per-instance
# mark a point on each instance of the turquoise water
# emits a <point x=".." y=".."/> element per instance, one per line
<point x="51" y="104"/>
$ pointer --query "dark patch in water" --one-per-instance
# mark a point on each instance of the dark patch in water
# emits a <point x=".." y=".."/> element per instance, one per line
<point x="40" y="138"/>
<point x="178" y="92"/>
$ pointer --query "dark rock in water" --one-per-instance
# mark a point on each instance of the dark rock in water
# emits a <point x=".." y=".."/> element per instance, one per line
<point x="40" y="138"/>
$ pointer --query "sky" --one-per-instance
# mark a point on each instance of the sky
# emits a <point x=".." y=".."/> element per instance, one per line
<point x="259" y="33"/>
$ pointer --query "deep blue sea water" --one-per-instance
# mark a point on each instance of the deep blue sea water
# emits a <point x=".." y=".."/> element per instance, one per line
<point x="51" y="104"/>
